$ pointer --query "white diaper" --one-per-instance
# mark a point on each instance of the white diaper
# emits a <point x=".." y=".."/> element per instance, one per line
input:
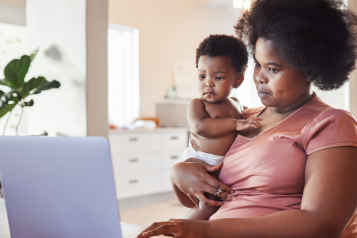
<point x="206" y="157"/>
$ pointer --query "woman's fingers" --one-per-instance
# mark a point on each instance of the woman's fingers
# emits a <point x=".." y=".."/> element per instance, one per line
<point x="223" y="194"/>
<point x="177" y="228"/>
<point x="194" y="199"/>
<point x="152" y="227"/>
<point x="167" y="230"/>
<point x="208" y="202"/>
<point x="213" y="168"/>
<point x="216" y="184"/>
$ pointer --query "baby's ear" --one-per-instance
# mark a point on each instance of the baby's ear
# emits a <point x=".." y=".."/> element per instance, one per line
<point x="239" y="80"/>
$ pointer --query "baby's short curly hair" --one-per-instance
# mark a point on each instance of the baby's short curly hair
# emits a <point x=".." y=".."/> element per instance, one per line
<point x="317" y="37"/>
<point x="224" y="45"/>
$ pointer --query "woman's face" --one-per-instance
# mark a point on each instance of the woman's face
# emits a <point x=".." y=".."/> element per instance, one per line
<point x="278" y="85"/>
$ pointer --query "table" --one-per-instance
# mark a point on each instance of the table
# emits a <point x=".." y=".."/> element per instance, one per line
<point x="128" y="230"/>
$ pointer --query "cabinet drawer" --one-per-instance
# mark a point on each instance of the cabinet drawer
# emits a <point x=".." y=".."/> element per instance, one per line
<point x="176" y="140"/>
<point x="169" y="159"/>
<point x="131" y="186"/>
<point x="136" y="163"/>
<point x="134" y="142"/>
<point x="165" y="182"/>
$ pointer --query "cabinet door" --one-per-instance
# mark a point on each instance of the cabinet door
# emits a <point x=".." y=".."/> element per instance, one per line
<point x="170" y="158"/>
<point x="174" y="140"/>
<point x="137" y="185"/>
<point x="134" y="142"/>
<point x="136" y="163"/>
<point x="165" y="182"/>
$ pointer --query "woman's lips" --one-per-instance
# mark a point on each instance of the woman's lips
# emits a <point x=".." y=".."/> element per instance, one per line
<point x="263" y="94"/>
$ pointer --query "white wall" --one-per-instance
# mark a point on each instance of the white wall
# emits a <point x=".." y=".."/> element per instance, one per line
<point x="72" y="36"/>
<point x="170" y="31"/>
<point x="58" y="28"/>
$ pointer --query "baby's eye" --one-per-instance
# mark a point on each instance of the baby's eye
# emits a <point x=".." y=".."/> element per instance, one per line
<point x="201" y="76"/>
<point x="219" y="78"/>
<point x="273" y="70"/>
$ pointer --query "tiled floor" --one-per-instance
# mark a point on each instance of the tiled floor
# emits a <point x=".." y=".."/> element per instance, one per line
<point x="145" y="216"/>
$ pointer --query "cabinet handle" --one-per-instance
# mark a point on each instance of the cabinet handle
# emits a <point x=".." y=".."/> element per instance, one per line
<point x="174" y="157"/>
<point x="133" y="160"/>
<point x="133" y="181"/>
<point x="174" y="137"/>
<point x="133" y="139"/>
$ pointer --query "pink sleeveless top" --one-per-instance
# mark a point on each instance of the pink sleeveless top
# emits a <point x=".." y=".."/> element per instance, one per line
<point x="267" y="172"/>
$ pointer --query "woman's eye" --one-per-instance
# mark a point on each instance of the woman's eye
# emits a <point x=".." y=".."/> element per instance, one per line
<point x="201" y="76"/>
<point x="257" y="64"/>
<point x="273" y="70"/>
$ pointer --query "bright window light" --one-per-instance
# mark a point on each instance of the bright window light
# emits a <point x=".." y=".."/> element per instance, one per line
<point x="238" y="3"/>
<point x="123" y="75"/>
<point x="246" y="4"/>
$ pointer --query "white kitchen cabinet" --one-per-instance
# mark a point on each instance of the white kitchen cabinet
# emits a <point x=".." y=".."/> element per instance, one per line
<point x="142" y="159"/>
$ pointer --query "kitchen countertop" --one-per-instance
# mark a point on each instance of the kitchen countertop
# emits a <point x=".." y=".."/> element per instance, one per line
<point x="160" y="129"/>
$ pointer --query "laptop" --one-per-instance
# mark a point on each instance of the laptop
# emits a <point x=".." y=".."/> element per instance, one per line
<point x="59" y="187"/>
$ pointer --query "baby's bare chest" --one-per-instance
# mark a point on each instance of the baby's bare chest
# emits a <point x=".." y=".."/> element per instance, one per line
<point x="223" y="111"/>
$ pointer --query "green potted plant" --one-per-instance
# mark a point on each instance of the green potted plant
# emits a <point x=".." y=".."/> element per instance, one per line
<point x="18" y="89"/>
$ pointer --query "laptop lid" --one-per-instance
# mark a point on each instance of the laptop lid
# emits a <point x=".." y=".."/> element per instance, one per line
<point x="59" y="187"/>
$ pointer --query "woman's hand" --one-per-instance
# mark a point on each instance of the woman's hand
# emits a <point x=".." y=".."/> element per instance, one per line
<point x="177" y="228"/>
<point x="193" y="180"/>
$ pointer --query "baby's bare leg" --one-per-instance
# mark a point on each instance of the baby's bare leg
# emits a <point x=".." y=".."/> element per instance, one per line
<point x="203" y="212"/>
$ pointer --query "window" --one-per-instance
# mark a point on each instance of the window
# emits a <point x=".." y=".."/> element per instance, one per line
<point x="123" y="75"/>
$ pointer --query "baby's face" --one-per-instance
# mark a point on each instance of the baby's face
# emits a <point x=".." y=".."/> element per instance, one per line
<point x="216" y="78"/>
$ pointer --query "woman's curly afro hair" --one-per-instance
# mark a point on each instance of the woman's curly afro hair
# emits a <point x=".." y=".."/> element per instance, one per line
<point x="317" y="37"/>
<point x="224" y="45"/>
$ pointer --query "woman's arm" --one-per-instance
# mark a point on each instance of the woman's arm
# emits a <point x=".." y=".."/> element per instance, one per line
<point x="329" y="201"/>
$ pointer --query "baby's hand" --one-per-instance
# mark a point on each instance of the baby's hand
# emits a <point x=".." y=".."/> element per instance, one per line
<point x="242" y="125"/>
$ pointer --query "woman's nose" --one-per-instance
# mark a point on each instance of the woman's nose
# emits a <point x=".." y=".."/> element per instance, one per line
<point x="260" y="78"/>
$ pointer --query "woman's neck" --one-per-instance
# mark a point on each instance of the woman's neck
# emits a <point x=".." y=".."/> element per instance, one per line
<point x="295" y="105"/>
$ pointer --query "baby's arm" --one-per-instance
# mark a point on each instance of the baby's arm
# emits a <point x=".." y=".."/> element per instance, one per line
<point x="203" y="125"/>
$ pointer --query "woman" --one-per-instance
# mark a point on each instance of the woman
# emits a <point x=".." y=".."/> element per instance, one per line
<point x="294" y="176"/>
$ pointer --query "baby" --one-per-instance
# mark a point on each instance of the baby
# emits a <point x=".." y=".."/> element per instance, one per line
<point x="215" y="118"/>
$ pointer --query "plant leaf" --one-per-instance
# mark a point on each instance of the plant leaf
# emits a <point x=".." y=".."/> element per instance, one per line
<point x="29" y="104"/>
<point x="1" y="93"/>
<point x="16" y="70"/>
<point x="8" y="108"/>
<point x="48" y="86"/>
<point x="3" y="82"/>
<point x="6" y="98"/>
<point x="33" y="55"/>
<point x="32" y="84"/>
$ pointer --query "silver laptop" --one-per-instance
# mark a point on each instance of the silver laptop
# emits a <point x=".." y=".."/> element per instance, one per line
<point x="59" y="187"/>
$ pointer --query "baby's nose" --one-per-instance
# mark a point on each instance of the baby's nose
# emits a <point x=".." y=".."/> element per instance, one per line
<point x="209" y="83"/>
